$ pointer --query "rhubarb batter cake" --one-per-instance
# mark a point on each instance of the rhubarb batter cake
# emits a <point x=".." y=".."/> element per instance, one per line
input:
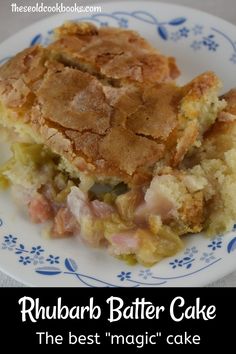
<point x="108" y="148"/>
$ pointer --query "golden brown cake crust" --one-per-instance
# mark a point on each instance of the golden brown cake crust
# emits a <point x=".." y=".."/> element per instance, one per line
<point x="156" y="117"/>
<point x="75" y="100"/>
<point x="230" y="98"/>
<point x="101" y="128"/>
<point x="114" y="53"/>
<point x="224" y="126"/>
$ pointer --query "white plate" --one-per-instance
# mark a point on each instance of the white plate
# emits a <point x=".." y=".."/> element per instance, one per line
<point x="199" y="42"/>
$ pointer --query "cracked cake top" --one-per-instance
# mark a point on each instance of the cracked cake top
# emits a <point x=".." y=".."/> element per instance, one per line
<point x="99" y="98"/>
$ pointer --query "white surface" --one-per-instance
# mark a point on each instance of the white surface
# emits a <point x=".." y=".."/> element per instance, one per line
<point x="10" y="23"/>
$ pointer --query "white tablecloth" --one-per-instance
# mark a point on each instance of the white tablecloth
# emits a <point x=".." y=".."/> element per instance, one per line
<point x="10" y="23"/>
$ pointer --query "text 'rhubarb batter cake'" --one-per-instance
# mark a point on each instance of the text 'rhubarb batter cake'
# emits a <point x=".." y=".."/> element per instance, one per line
<point x="109" y="148"/>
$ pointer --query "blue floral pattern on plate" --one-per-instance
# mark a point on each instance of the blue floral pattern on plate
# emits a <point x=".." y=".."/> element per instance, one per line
<point x="53" y="265"/>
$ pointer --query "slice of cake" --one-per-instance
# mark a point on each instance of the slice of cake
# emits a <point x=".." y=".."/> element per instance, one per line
<point x="102" y="137"/>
